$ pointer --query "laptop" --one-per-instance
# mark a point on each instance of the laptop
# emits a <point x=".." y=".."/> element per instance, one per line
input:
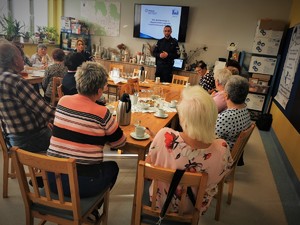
<point x="178" y="64"/>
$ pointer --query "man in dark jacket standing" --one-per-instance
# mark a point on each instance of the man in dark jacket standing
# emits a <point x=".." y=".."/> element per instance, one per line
<point x="166" y="50"/>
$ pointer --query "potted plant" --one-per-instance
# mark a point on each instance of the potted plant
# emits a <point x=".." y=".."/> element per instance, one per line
<point x="11" y="28"/>
<point x="51" y="34"/>
<point x="27" y="35"/>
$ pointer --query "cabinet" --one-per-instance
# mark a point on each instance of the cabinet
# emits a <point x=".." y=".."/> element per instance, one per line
<point x="68" y="41"/>
<point x="262" y="75"/>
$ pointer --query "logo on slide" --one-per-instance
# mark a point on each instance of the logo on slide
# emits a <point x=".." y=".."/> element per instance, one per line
<point x="175" y="12"/>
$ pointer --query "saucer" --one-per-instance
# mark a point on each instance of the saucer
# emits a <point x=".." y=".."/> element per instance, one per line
<point x="165" y="83"/>
<point x="161" y="116"/>
<point x="133" y="135"/>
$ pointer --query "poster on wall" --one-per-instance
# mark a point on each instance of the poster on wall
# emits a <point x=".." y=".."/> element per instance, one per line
<point x="103" y="17"/>
<point x="289" y="69"/>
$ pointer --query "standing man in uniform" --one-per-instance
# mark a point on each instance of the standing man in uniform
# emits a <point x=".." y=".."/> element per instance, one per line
<point x="166" y="50"/>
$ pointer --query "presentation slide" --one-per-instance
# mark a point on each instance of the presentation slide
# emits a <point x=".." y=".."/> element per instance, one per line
<point x="154" y="18"/>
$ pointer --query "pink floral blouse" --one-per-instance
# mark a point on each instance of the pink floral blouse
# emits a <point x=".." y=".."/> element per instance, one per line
<point x="168" y="150"/>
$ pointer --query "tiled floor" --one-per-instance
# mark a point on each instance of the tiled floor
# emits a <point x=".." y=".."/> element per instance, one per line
<point x="255" y="202"/>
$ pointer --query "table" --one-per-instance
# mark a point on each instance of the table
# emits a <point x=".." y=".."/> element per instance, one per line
<point x="35" y="76"/>
<point x="172" y="91"/>
<point x="154" y="124"/>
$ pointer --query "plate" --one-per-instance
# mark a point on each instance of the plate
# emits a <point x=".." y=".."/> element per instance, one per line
<point x="133" y="135"/>
<point x="161" y="116"/>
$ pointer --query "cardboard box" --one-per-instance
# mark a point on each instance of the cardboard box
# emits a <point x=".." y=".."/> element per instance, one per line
<point x="270" y="28"/>
<point x="255" y="101"/>
<point x="266" y="46"/>
<point x="66" y="24"/>
<point x="264" y="65"/>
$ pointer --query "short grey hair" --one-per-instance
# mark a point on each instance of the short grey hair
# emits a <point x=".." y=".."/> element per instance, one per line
<point x="41" y="46"/>
<point x="237" y="89"/>
<point x="8" y="52"/>
<point x="222" y="76"/>
<point x="90" y="77"/>
<point x="198" y="114"/>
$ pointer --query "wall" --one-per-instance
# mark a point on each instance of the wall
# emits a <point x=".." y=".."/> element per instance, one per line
<point x="212" y="23"/>
<point x="287" y="135"/>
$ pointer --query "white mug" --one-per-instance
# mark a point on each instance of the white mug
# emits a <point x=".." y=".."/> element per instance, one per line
<point x="140" y="131"/>
<point x="161" y="112"/>
<point x="173" y="103"/>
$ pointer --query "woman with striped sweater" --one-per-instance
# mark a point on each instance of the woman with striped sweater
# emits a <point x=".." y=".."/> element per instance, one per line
<point x="82" y="128"/>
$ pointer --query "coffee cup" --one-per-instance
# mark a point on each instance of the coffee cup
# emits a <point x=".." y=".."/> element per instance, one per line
<point x="133" y="99"/>
<point x="140" y="131"/>
<point x="173" y="103"/>
<point x="161" y="112"/>
<point x="111" y="108"/>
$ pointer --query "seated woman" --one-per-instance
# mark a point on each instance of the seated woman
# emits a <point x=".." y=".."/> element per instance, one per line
<point x="58" y="69"/>
<point x="81" y="129"/>
<point x="195" y="149"/>
<point x="221" y="77"/>
<point x="40" y="58"/>
<point x="72" y="62"/>
<point x="236" y="117"/>
<point x="80" y="48"/>
<point x="207" y="80"/>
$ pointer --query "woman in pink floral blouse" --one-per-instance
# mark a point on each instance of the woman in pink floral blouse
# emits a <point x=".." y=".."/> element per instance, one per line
<point x="195" y="149"/>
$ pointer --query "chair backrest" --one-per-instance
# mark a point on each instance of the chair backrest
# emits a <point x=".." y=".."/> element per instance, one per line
<point x="41" y="164"/>
<point x="158" y="174"/>
<point x="2" y="142"/>
<point x="240" y="143"/>
<point x="131" y="87"/>
<point x="182" y="80"/>
<point x="60" y="92"/>
<point x="56" y="81"/>
<point x="136" y="72"/>
<point x="117" y="66"/>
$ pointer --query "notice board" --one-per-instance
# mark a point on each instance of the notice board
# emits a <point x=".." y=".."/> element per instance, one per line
<point x="292" y="109"/>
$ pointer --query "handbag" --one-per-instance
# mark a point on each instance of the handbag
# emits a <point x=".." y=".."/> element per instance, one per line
<point x="174" y="183"/>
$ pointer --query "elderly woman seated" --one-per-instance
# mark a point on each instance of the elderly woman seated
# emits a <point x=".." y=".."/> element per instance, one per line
<point x="195" y="149"/>
<point x="40" y="58"/>
<point x="236" y="117"/>
<point x="81" y="129"/>
<point x="221" y="77"/>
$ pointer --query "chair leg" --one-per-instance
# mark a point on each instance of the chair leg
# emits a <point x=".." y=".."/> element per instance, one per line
<point x="5" y="176"/>
<point x="230" y="187"/>
<point x="219" y="199"/>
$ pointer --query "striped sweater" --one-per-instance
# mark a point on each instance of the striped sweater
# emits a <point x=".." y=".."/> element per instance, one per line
<point x="82" y="128"/>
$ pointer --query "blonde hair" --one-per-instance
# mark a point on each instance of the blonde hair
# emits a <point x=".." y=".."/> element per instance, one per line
<point x="222" y="76"/>
<point x="198" y="114"/>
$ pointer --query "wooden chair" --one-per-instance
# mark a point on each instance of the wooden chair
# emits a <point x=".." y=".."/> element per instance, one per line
<point x="8" y="169"/>
<point x="56" y="81"/>
<point x="182" y="80"/>
<point x="59" y="91"/>
<point x="131" y="87"/>
<point x="236" y="153"/>
<point x="146" y="171"/>
<point x="136" y="72"/>
<point x="114" y="90"/>
<point x="47" y="206"/>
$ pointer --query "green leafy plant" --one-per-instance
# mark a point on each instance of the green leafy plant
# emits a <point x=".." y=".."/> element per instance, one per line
<point x="47" y="33"/>
<point x="51" y="33"/>
<point x="11" y="27"/>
